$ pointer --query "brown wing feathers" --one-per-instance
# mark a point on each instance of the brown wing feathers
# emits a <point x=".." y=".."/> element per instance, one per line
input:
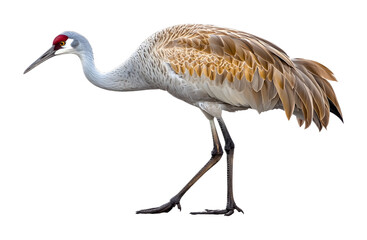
<point x="227" y="55"/>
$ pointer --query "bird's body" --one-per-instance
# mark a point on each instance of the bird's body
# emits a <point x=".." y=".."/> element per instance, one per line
<point x="215" y="69"/>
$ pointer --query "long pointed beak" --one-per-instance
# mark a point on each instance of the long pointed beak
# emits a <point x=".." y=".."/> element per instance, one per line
<point x="47" y="55"/>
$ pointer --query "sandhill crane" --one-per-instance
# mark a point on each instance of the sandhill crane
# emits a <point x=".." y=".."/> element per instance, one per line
<point x="214" y="69"/>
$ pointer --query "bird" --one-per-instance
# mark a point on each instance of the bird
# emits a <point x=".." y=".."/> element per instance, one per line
<point x="214" y="69"/>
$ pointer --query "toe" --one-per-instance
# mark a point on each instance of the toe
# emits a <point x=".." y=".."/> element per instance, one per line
<point x="164" y="208"/>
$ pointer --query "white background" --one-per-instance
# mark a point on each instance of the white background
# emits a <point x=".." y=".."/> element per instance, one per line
<point x="76" y="161"/>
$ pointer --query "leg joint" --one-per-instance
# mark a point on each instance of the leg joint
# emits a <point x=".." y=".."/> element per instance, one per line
<point x="217" y="152"/>
<point x="229" y="146"/>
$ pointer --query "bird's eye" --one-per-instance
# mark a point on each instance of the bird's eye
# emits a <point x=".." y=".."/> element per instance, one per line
<point x="62" y="43"/>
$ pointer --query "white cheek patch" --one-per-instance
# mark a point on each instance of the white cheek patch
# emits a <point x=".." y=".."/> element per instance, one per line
<point x="67" y="48"/>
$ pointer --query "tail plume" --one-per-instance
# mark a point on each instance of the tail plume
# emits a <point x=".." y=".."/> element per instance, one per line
<point x="315" y="97"/>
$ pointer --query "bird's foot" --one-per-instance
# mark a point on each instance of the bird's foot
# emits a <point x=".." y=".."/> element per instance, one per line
<point x="226" y="212"/>
<point x="164" y="208"/>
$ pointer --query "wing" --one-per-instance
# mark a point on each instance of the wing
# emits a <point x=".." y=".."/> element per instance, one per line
<point x="244" y="70"/>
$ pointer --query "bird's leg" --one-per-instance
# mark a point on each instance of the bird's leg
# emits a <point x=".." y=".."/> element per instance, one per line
<point x="217" y="153"/>
<point x="229" y="148"/>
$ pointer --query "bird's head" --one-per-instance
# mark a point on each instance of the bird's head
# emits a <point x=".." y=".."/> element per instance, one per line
<point x="67" y="42"/>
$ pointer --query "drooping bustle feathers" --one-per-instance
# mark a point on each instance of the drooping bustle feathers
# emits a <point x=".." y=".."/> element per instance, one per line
<point x="314" y="94"/>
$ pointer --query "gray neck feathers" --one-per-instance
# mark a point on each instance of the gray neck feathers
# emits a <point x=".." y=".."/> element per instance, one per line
<point x="124" y="78"/>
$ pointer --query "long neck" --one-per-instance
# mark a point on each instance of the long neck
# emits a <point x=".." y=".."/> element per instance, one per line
<point x="123" y="78"/>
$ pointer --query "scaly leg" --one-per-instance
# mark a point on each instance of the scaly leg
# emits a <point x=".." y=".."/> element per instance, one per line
<point x="229" y="148"/>
<point x="175" y="201"/>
